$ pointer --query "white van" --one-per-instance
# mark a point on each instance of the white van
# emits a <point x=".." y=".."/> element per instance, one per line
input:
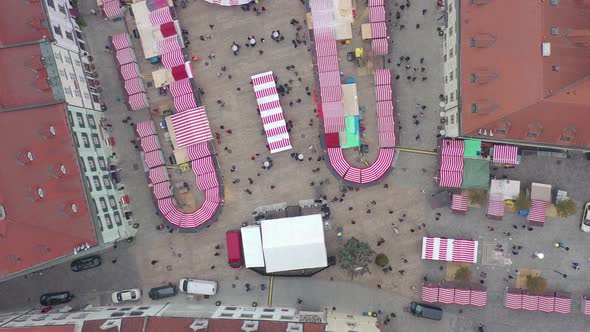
<point x="198" y="287"/>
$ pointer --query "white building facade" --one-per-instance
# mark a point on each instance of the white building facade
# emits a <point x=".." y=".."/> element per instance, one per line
<point x="451" y="70"/>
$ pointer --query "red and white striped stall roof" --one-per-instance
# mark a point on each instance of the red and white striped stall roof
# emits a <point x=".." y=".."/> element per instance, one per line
<point x="377" y="169"/>
<point x="450" y="250"/>
<point x="450" y="179"/>
<point x="323" y="18"/>
<point x="337" y="160"/>
<point x="451" y="163"/>
<point x="496" y="205"/>
<point x="513" y="299"/>
<point x="384" y="108"/>
<point x="430" y="293"/>
<point x="172" y="59"/>
<point x="191" y="127"/>
<point x="180" y="88"/>
<point x="154" y="158"/>
<point x="538" y="211"/>
<point x="563" y="303"/>
<point x="121" y="41"/>
<point x="334" y="125"/>
<point x="446" y="295"/>
<point x="207" y="181"/>
<point x="378" y="30"/>
<point x="159" y="174"/>
<point x="229" y="2"/>
<point x="213" y="195"/>
<point x="586" y="305"/>
<point x="505" y="154"/>
<point x="160" y="16"/>
<point x="162" y="190"/>
<point x="327" y="63"/>
<point x="386" y="124"/>
<point x="166" y="205"/>
<point x="383" y="92"/>
<point x="145" y="128"/>
<point x="377" y="14"/>
<point x="332" y="109"/>
<point x="353" y="175"/>
<point x="530" y="302"/>
<point x="125" y="56"/>
<point x="462" y="296"/>
<point x="185" y="102"/>
<point x="459" y="203"/>
<point x="452" y="147"/>
<point x="325" y="41"/>
<point x="331" y="93"/>
<point x="479" y="298"/>
<point x="134" y="85"/>
<point x="129" y="71"/>
<point x="111" y="8"/>
<point x="169" y="44"/>
<point x="203" y="165"/>
<point x="382" y="77"/>
<point x="330" y="78"/>
<point x="150" y="143"/>
<point x="387" y="139"/>
<point x="373" y="3"/>
<point x="318" y="5"/>
<point x="279" y="145"/>
<point x="547" y="303"/>
<point x="380" y="46"/>
<point x="198" y="151"/>
<point x="138" y="101"/>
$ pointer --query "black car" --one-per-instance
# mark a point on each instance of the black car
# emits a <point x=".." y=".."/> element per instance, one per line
<point x="426" y="311"/>
<point x="162" y="292"/>
<point x="85" y="263"/>
<point x="50" y="299"/>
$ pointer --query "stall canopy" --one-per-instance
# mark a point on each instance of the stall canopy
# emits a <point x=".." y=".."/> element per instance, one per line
<point x="509" y="189"/>
<point x="476" y="174"/>
<point x="450" y="250"/>
<point x="459" y="203"/>
<point x="252" y="246"/>
<point x="145" y="128"/>
<point x="472" y="148"/>
<point x="505" y="154"/>
<point x="190" y="127"/>
<point x="121" y="41"/>
<point x="294" y="243"/>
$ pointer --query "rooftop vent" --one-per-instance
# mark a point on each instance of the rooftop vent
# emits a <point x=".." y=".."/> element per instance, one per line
<point x="554" y="2"/>
<point x="199" y="324"/>
<point x="58" y="171"/>
<point x="482" y="40"/>
<point x="47" y="132"/>
<point x="250" y="326"/>
<point x="111" y="323"/>
<point x="2" y="213"/>
<point x="555" y="31"/>
<point x="24" y="157"/>
<point x="41" y="192"/>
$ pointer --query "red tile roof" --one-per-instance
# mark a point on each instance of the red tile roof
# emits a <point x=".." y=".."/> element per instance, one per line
<point x="24" y="80"/>
<point x="21" y="21"/>
<point x="129" y="324"/>
<point x="69" y="328"/>
<point x="37" y="230"/>
<point x="224" y="325"/>
<point x="526" y="89"/>
<point x="161" y="324"/>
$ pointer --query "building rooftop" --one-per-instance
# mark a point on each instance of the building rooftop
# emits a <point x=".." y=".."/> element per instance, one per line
<point x="130" y="324"/>
<point x="67" y="328"/>
<point x="509" y="86"/>
<point x="44" y="211"/>
<point x="22" y="21"/>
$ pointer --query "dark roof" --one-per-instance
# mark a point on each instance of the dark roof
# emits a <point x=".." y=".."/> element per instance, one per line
<point x="37" y="230"/>
<point x="525" y="93"/>
<point x="24" y="77"/>
<point x="22" y="21"/>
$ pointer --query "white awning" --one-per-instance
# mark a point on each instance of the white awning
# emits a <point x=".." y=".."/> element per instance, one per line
<point x="252" y="246"/>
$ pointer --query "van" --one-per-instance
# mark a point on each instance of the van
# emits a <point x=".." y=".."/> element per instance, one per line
<point x="162" y="292"/>
<point x="234" y="249"/>
<point x="426" y="311"/>
<point x="197" y="287"/>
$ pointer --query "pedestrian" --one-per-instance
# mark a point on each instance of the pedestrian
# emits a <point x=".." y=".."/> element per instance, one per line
<point x="201" y="37"/>
<point x="211" y="26"/>
<point x="417" y="26"/>
<point x="108" y="49"/>
<point x="154" y="262"/>
<point x="424" y="11"/>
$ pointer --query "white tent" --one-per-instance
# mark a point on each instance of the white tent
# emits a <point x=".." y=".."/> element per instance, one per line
<point x="294" y="243"/>
<point x="252" y="245"/>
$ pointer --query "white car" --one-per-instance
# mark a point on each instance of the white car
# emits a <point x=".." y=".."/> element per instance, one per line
<point x="126" y="295"/>
<point x="586" y="218"/>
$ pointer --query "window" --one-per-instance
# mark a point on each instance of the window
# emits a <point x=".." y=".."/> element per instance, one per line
<point x="78" y="34"/>
<point x="50" y="4"/>
<point x="68" y="90"/>
<point x="62" y="8"/>
<point x="98" y="186"/>
<point x="76" y="142"/>
<point x="77" y="63"/>
<point x="91" y="164"/>
<point x="534" y="130"/>
<point x="80" y="120"/>
<point x="102" y="163"/>
<point x="555" y="31"/>
<point x="58" y="56"/>
<point x="451" y="32"/>
<point x="452" y="76"/>
<point x="445" y="57"/>
<point x="95" y="98"/>
<point x="555" y="68"/>
<point x="85" y="140"/>
<point x="57" y="30"/>
<point x="69" y="35"/>
<point x="82" y="46"/>
<point x="118" y="220"/>
<point x="87" y="68"/>
<point x="452" y="96"/>
<point x="77" y="93"/>
<point x="107" y="182"/>
<point x="72" y="76"/>
<point x="86" y="95"/>
<point x="473" y="108"/>
<point x="452" y="118"/>
<point x="451" y="53"/>
<point x="554" y="2"/>
<point x="446" y="79"/>
<point x="96" y="141"/>
<point x="450" y="7"/>
<point x="91" y="121"/>
<point x="68" y="59"/>
<point x="63" y="73"/>
<point x="113" y="202"/>
<point x="71" y="118"/>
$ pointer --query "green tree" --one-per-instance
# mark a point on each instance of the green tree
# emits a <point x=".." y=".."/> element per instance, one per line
<point x="536" y="284"/>
<point x="522" y="203"/>
<point x="381" y="260"/>
<point x="463" y="275"/>
<point x="355" y="257"/>
<point x="566" y="208"/>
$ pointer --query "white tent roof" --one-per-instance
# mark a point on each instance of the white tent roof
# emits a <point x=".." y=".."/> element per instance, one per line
<point x="510" y="189"/>
<point x="294" y="243"/>
<point x="252" y="245"/>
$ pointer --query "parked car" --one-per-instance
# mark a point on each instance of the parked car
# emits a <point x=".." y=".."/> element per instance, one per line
<point x="197" y="287"/>
<point x="50" y="299"/>
<point x="162" y="292"/>
<point x="586" y="218"/>
<point x="126" y="295"/>
<point x="426" y="311"/>
<point x="85" y="263"/>
<point x="234" y="249"/>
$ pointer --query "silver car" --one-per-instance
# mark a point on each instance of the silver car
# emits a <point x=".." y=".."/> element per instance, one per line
<point x="586" y="218"/>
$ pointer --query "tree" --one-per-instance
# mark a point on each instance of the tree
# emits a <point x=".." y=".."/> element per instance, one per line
<point x="565" y="208"/>
<point x="463" y="275"/>
<point x="536" y="284"/>
<point x="522" y="203"/>
<point x="355" y="257"/>
<point x="381" y="260"/>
